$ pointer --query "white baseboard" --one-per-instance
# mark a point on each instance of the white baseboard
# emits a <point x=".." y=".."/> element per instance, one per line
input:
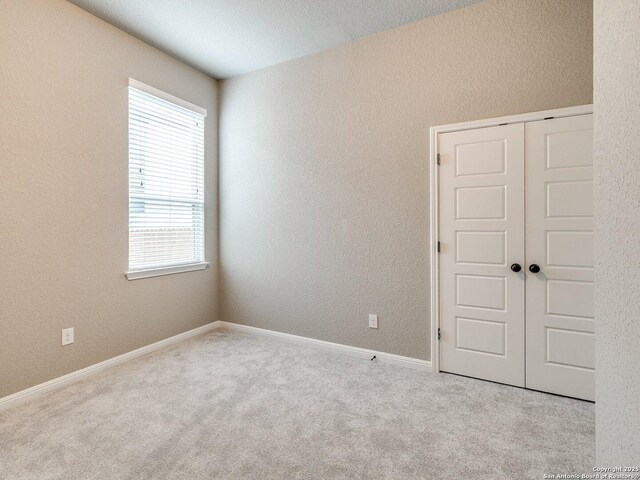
<point x="32" y="392"/>
<point x="423" y="365"/>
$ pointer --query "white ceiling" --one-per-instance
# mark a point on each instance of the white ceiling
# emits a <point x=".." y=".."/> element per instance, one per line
<point x="225" y="38"/>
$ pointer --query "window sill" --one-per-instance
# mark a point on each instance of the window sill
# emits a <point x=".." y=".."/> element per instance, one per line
<point x="157" y="272"/>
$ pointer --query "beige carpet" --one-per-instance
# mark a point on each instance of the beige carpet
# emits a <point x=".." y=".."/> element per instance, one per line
<point x="238" y="406"/>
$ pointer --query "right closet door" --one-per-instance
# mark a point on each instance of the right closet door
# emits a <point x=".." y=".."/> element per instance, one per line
<point x="560" y="341"/>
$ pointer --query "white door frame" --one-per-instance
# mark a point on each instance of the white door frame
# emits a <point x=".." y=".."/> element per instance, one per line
<point x="434" y="208"/>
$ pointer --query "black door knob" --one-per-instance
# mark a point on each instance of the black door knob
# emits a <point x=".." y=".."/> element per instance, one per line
<point x="534" y="268"/>
<point x="516" y="267"/>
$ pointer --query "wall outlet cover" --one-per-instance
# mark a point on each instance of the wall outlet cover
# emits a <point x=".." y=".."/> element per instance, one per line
<point x="67" y="336"/>
<point x="373" y="321"/>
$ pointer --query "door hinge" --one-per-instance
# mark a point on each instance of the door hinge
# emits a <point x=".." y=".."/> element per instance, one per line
<point x="439" y="334"/>
<point x="438" y="159"/>
<point x="438" y="246"/>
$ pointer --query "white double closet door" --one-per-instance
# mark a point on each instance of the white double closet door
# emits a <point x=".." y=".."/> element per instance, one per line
<point x="516" y="254"/>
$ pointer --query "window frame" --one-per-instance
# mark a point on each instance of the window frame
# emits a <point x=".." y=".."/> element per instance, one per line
<point x="135" y="274"/>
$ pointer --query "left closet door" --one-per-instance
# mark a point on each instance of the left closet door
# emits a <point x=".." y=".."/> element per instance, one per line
<point x="482" y="304"/>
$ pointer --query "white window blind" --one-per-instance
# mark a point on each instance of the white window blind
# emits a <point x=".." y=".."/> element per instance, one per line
<point x="166" y="180"/>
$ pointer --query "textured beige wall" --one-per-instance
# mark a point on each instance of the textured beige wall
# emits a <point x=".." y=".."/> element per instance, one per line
<point x="324" y="163"/>
<point x="63" y="194"/>
<point x="617" y="248"/>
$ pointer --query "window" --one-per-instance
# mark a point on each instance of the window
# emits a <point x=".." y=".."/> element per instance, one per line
<point x="166" y="183"/>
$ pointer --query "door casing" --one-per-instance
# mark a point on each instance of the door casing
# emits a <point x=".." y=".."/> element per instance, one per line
<point x="434" y="207"/>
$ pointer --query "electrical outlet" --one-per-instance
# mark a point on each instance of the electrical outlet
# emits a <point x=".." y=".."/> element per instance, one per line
<point x="67" y="336"/>
<point x="373" y="321"/>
